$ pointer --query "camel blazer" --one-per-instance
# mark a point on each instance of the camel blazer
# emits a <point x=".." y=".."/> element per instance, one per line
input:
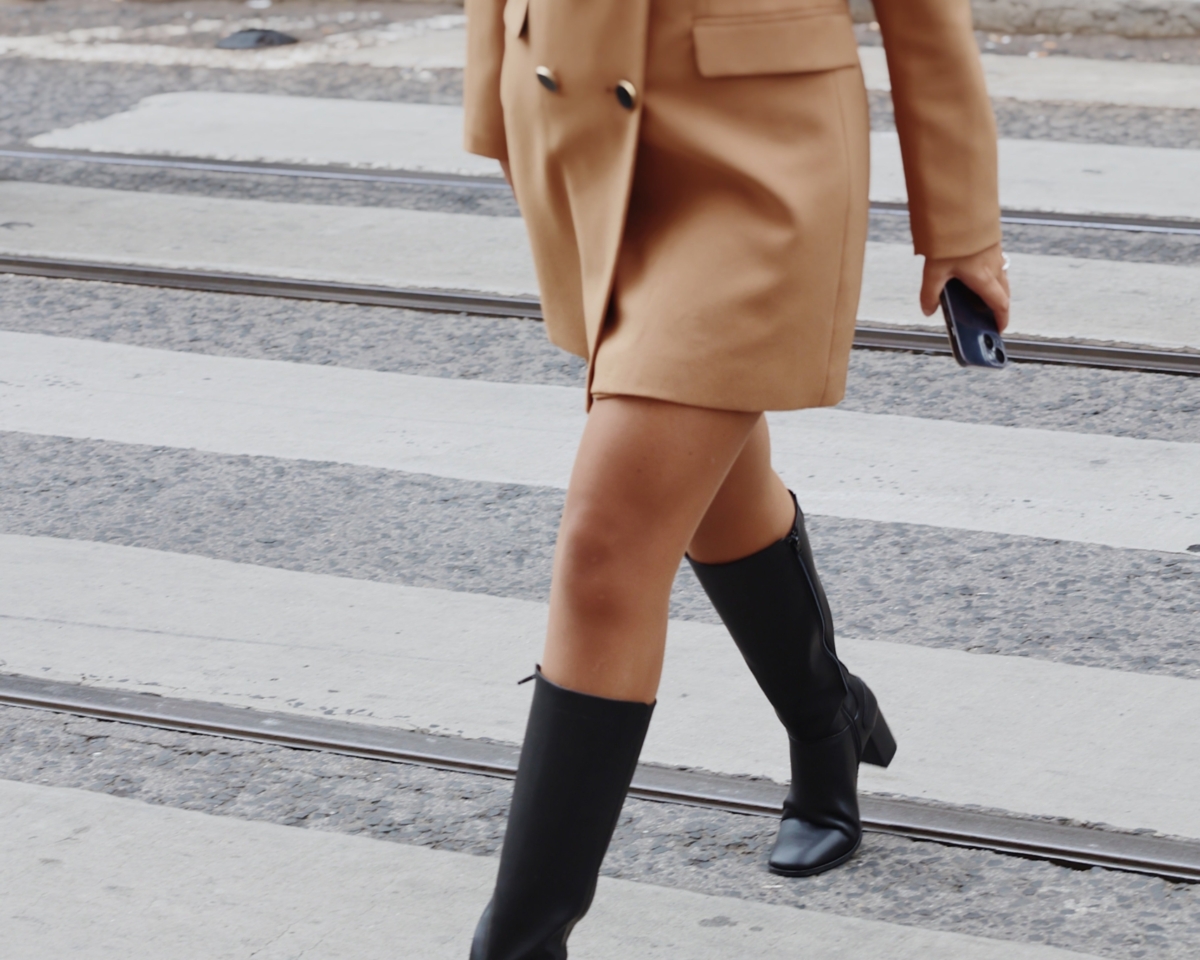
<point x="739" y="128"/>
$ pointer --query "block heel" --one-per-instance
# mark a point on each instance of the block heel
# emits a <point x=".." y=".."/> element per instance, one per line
<point x="880" y="746"/>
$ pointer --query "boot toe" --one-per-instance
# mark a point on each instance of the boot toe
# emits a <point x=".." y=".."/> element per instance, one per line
<point x="803" y="849"/>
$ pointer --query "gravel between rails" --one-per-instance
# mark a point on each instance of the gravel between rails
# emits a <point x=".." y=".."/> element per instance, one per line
<point x="1076" y="122"/>
<point x="479" y="201"/>
<point x="1063" y="241"/>
<point x="43" y="95"/>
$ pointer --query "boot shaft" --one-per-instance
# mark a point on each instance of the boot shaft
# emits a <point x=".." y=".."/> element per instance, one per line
<point x="577" y="762"/>
<point x="774" y="606"/>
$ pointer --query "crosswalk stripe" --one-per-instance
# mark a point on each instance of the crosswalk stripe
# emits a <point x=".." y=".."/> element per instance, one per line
<point x="208" y="886"/>
<point x="1035" y="174"/>
<point x="1057" y="737"/>
<point x="1054" y="297"/>
<point x="1058" y="298"/>
<point x="1071" y="80"/>
<point x="1080" y="178"/>
<point x="255" y="126"/>
<point x="1085" y="487"/>
<point x="398" y="248"/>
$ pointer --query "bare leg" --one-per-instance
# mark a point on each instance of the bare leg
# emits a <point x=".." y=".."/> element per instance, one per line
<point x="645" y="475"/>
<point x="752" y="509"/>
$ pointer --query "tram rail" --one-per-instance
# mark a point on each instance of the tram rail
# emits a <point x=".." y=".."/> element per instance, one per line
<point x="262" y="169"/>
<point x="1075" y="846"/>
<point x="868" y="335"/>
<point x="1041" y="218"/>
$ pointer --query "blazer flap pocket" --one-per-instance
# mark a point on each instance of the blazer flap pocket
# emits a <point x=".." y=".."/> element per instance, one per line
<point x="516" y="12"/>
<point x="789" y="41"/>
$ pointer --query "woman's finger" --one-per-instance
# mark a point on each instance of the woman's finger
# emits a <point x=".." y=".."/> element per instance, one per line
<point x="992" y="287"/>
<point x="983" y="272"/>
<point x="934" y="278"/>
<point x="993" y="292"/>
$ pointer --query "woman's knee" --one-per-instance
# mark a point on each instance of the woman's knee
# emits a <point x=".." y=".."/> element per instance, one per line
<point x="646" y="473"/>
<point x="600" y="538"/>
<point x="611" y="556"/>
<point x="590" y="588"/>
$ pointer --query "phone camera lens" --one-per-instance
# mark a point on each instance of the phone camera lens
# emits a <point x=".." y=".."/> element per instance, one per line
<point x="988" y="341"/>
<point x="1000" y="356"/>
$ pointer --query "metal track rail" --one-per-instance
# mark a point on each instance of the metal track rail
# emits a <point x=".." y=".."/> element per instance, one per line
<point x="302" y="171"/>
<point x="868" y="336"/>
<point x="1166" y="225"/>
<point x="441" y="301"/>
<point x="1074" y="846"/>
<point x="1083" y="221"/>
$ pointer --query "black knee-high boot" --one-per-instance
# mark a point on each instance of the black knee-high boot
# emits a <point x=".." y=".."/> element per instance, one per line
<point x="576" y="764"/>
<point x="774" y="606"/>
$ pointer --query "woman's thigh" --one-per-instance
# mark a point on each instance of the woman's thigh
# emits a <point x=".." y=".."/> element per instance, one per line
<point x="645" y="474"/>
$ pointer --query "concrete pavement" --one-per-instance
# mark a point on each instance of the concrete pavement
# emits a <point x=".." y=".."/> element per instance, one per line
<point x="405" y="248"/>
<point x="1077" y="80"/>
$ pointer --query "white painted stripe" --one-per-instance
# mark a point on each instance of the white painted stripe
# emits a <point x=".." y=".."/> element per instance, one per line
<point x="1071" y="79"/>
<point x="1034" y="175"/>
<point x="373" y="245"/>
<point x="260" y="127"/>
<point x="1053" y="296"/>
<point x="148" y="881"/>
<point x="1079" y="178"/>
<point x="1009" y="732"/>
<point x="1091" y="488"/>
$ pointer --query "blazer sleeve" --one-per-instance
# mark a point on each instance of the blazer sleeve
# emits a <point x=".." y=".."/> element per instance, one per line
<point x="945" y="123"/>
<point x="483" y="117"/>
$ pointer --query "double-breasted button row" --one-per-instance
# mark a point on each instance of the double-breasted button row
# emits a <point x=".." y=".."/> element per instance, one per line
<point x="626" y="94"/>
<point x="625" y="91"/>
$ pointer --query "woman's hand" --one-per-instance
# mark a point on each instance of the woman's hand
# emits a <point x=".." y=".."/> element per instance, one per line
<point x="983" y="272"/>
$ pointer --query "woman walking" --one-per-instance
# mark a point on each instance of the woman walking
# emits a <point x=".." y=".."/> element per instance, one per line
<point x="693" y="175"/>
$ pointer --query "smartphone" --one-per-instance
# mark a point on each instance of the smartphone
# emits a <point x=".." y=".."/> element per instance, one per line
<point x="972" y="327"/>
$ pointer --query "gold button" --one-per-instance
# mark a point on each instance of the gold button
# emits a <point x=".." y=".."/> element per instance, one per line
<point x="547" y="79"/>
<point x="626" y="94"/>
